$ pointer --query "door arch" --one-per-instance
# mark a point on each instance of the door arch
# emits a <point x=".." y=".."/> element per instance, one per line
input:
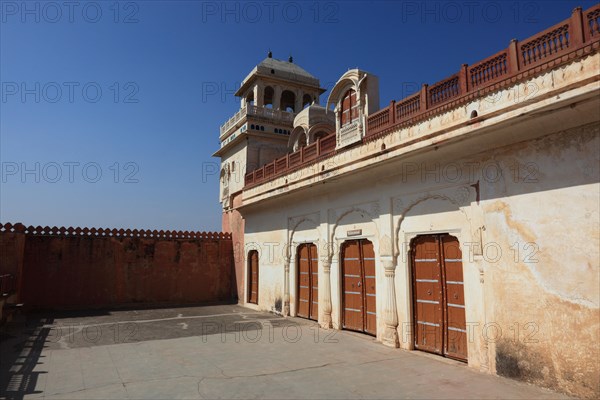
<point x="308" y="281"/>
<point x="359" y="305"/>
<point x="439" y="321"/>
<point x="253" y="276"/>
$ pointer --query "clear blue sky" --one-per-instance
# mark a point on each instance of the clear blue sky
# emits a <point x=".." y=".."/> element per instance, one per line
<point x="166" y="72"/>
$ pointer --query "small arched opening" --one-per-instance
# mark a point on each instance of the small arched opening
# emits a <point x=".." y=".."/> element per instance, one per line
<point x="306" y="101"/>
<point x="250" y="98"/>
<point x="288" y="101"/>
<point x="268" y="97"/>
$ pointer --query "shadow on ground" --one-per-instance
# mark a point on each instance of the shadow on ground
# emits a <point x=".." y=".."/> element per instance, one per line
<point x="21" y="346"/>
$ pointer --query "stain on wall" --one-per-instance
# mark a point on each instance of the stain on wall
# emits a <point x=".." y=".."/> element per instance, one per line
<point x="545" y="287"/>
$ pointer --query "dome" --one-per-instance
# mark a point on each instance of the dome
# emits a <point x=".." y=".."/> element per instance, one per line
<point x="285" y="69"/>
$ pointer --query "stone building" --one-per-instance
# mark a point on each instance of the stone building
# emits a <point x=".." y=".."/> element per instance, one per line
<point x="462" y="220"/>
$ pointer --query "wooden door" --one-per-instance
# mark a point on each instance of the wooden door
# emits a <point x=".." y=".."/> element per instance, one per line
<point x="358" y="286"/>
<point x="438" y="296"/>
<point x="308" y="279"/>
<point x="456" y="323"/>
<point x="253" y="277"/>
<point x="427" y="294"/>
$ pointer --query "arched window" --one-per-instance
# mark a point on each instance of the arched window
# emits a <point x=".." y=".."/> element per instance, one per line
<point x="268" y="97"/>
<point x="250" y="98"/>
<point x="306" y="101"/>
<point x="349" y="109"/>
<point x="288" y="101"/>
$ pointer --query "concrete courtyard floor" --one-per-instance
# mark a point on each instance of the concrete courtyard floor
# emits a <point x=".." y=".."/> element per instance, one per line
<point x="223" y="351"/>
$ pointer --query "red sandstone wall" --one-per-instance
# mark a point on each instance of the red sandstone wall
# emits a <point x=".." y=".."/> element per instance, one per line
<point x="104" y="268"/>
<point x="234" y="223"/>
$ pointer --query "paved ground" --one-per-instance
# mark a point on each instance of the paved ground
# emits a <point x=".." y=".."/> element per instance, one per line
<point x="222" y="351"/>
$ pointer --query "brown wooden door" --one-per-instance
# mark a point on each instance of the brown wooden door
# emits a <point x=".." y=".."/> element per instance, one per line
<point x="439" y="306"/>
<point x="253" y="277"/>
<point x="308" y="281"/>
<point x="456" y="322"/>
<point x="358" y="286"/>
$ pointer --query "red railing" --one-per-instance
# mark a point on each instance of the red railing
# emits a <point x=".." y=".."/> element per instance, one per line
<point x="295" y="159"/>
<point x="592" y="23"/>
<point x="489" y="70"/>
<point x="408" y="106"/>
<point x="322" y="147"/>
<point x="309" y="153"/>
<point x="443" y="91"/>
<point x="327" y="145"/>
<point x="380" y="120"/>
<point x="544" y="45"/>
<point x="579" y="31"/>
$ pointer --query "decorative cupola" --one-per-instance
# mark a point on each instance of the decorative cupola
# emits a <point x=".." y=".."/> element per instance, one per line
<point x="272" y="95"/>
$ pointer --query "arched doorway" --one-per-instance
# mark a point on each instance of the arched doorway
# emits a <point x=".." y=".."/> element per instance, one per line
<point x="253" y="277"/>
<point x="359" y="311"/>
<point x="438" y="296"/>
<point x="308" y="281"/>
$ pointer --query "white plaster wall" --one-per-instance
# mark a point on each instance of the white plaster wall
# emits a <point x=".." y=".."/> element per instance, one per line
<point x="557" y="213"/>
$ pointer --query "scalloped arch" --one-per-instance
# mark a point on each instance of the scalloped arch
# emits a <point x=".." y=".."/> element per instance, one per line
<point x="418" y="201"/>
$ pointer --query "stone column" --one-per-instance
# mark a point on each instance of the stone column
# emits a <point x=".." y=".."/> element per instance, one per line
<point x="298" y="103"/>
<point x="258" y="95"/>
<point x="277" y="97"/>
<point x="390" y="313"/>
<point x="286" y="287"/>
<point x="326" y="297"/>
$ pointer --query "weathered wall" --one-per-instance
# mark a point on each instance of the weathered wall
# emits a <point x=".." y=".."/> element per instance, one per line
<point x="545" y="289"/>
<point x="62" y="271"/>
<point x="233" y="222"/>
<point x="527" y="219"/>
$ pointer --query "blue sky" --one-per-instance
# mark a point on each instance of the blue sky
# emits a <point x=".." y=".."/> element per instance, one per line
<point x="110" y="111"/>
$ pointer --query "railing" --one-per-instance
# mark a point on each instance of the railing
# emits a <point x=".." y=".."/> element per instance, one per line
<point x="256" y="112"/>
<point x="544" y="45"/>
<point x="579" y="31"/>
<point x="409" y="106"/>
<point x="443" y="91"/>
<point x="582" y="28"/>
<point x="233" y="120"/>
<point x="319" y="149"/>
<point x="309" y="152"/>
<point x="327" y="145"/>
<point x="295" y="159"/>
<point x="281" y="164"/>
<point x="592" y="23"/>
<point x="379" y="119"/>
<point x="489" y="70"/>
